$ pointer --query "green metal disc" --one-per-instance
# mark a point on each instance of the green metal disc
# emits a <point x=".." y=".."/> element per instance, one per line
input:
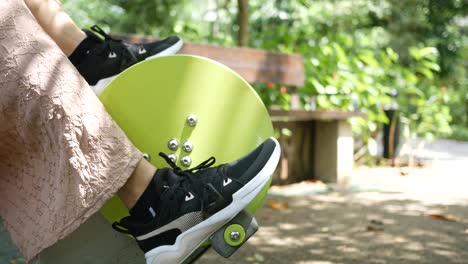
<point x="239" y="233"/>
<point x="151" y="101"/>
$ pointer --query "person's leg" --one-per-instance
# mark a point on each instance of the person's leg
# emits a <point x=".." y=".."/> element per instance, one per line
<point x="57" y="23"/>
<point x="61" y="154"/>
<point x="132" y="190"/>
<point x="63" y="30"/>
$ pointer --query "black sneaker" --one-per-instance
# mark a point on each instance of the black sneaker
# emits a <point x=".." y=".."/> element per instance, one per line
<point x="111" y="56"/>
<point x="193" y="204"/>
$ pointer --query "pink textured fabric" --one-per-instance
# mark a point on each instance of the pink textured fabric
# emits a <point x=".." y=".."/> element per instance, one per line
<point x="61" y="155"/>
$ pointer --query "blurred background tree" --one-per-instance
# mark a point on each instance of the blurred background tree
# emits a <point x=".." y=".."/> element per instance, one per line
<point x="366" y="55"/>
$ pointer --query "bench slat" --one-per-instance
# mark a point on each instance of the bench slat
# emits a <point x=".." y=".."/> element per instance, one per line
<point x="304" y="116"/>
<point x="254" y="65"/>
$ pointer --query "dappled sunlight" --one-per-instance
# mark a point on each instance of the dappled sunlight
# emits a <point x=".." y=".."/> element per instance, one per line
<point x="362" y="227"/>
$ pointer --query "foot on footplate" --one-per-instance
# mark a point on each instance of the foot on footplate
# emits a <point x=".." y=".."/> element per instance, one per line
<point x="228" y="238"/>
<point x="233" y="234"/>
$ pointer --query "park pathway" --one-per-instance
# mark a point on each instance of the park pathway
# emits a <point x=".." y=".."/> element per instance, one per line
<point x="390" y="215"/>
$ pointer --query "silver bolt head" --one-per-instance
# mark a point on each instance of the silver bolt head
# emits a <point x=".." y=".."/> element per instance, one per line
<point x="173" y="157"/>
<point x="192" y="120"/>
<point x="187" y="146"/>
<point x="147" y="156"/>
<point x="173" y="144"/>
<point x="235" y="235"/>
<point x="186" y="161"/>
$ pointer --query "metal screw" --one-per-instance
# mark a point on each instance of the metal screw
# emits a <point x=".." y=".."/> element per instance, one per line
<point x="173" y="157"/>
<point x="235" y="235"/>
<point x="192" y="120"/>
<point x="186" y="161"/>
<point x="147" y="156"/>
<point x="187" y="146"/>
<point x="173" y="144"/>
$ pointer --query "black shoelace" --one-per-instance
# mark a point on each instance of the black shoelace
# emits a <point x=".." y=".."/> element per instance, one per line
<point x="204" y="165"/>
<point x="191" y="182"/>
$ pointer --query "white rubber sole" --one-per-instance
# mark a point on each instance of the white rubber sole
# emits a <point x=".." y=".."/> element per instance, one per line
<point x="191" y="239"/>
<point x="101" y="84"/>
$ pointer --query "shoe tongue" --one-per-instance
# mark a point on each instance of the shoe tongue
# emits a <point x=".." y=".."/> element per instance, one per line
<point x="166" y="179"/>
<point x="171" y="177"/>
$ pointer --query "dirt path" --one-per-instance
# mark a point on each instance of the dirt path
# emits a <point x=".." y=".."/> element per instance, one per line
<point x="360" y="227"/>
<point x="390" y="215"/>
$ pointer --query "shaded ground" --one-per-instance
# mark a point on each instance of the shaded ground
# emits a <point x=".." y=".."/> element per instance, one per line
<point x="356" y="229"/>
<point x="365" y="226"/>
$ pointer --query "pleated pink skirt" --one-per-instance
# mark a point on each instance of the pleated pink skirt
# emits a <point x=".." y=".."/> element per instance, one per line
<point x="61" y="155"/>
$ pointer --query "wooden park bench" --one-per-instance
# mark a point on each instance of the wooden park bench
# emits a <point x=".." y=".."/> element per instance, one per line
<point x="320" y="147"/>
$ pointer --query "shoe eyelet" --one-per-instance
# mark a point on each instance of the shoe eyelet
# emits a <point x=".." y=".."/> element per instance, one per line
<point x="141" y="50"/>
<point x="226" y="181"/>
<point x="189" y="196"/>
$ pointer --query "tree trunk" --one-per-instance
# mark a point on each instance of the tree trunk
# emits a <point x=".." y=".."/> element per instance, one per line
<point x="243" y="17"/>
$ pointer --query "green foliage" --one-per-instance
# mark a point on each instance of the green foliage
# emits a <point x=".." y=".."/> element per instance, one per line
<point x="437" y="23"/>
<point x="87" y="13"/>
<point x="157" y="18"/>
<point x="274" y="95"/>
<point x="349" y="65"/>
<point x="459" y="133"/>
<point x="358" y="54"/>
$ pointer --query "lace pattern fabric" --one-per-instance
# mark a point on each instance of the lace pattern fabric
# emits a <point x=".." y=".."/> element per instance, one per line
<point x="61" y="155"/>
